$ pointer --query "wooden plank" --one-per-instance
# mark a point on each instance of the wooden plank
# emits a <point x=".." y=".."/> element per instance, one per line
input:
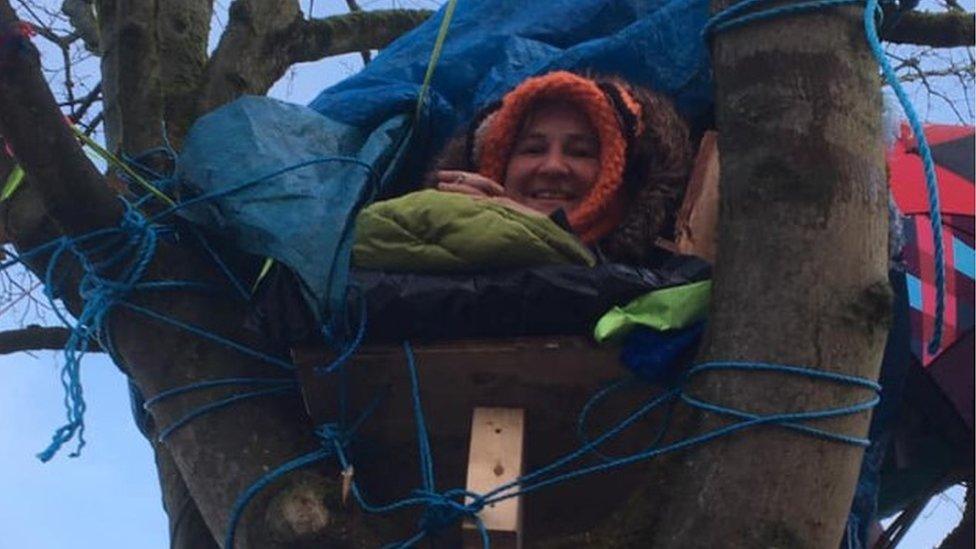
<point x="495" y="458"/>
<point x="697" y="220"/>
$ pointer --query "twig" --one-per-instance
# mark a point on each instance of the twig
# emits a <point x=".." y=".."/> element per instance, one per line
<point x="354" y="7"/>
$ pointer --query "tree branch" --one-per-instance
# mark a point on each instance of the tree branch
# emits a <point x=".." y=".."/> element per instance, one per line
<point x="35" y="338"/>
<point x="261" y="42"/>
<point x="247" y="60"/>
<point x="81" y="14"/>
<point x="43" y="143"/>
<point x="355" y="31"/>
<point x="354" y="7"/>
<point x="183" y="28"/>
<point x="131" y="74"/>
<point x="81" y="106"/>
<point x="939" y="30"/>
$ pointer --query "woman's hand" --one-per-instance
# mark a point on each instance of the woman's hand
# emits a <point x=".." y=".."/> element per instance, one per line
<point x="455" y="181"/>
<point x="479" y="186"/>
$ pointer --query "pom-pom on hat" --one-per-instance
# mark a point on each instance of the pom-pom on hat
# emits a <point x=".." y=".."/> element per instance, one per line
<point x="613" y="113"/>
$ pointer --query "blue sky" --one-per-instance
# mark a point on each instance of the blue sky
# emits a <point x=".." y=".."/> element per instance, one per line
<point x="109" y="496"/>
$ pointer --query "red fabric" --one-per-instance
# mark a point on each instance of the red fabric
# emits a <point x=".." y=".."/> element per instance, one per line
<point x="956" y="194"/>
<point x="951" y="367"/>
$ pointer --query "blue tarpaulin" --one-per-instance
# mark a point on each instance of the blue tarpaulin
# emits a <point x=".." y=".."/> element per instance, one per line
<point x="303" y="217"/>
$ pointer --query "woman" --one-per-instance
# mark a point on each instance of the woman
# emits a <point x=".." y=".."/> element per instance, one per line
<point x="609" y="158"/>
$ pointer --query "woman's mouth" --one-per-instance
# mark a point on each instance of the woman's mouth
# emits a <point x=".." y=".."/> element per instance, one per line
<point x="552" y="194"/>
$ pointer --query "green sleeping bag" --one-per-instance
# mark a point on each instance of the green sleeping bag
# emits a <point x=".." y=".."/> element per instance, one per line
<point x="433" y="231"/>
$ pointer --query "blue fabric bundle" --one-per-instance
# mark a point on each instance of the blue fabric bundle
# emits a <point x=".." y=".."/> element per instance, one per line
<point x="655" y="356"/>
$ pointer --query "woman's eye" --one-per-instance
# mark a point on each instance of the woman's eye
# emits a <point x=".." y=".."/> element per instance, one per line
<point x="531" y="149"/>
<point x="582" y="152"/>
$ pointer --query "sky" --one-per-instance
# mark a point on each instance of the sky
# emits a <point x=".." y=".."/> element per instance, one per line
<point x="109" y="496"/>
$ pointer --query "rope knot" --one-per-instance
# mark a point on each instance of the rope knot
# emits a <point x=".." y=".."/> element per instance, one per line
<point x="445" y="509"/>
<point x="330" y="434"/>
<point x="133" y="220"/>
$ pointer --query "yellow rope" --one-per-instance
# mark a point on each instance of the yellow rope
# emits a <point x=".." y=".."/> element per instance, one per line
<point x="13" y="182"/>
<point x="113" y="161"/>
<point x="435" y="55"/>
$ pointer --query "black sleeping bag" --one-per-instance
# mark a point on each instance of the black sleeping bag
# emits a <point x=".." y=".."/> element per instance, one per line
<point x="553" y="299"/>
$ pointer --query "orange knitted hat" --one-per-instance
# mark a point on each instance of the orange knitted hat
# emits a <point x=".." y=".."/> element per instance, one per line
<point x="608" y="107"/>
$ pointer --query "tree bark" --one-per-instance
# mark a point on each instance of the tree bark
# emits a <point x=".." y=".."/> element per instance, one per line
<point x="183" y="30"/>
<point x="800" y="279"/>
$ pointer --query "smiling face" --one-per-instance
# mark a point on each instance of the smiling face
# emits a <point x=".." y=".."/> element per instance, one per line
<point x="555" y="160"/>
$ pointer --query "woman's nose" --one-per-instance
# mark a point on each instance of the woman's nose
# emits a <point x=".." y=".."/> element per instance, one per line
<point x="554" y="163"/>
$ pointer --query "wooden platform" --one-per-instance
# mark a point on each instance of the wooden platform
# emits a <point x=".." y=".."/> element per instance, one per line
<point x="550" y="378"/>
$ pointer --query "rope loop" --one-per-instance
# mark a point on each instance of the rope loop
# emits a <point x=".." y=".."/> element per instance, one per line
<point x="794" y="420"/>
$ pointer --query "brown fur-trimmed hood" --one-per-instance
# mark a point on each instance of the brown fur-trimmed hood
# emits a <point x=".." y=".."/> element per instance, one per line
<point x="658" y="162"/>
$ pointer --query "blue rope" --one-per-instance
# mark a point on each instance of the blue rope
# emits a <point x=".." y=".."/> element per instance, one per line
<point x="200" y="385"/>
<point x="738" y="14"/>
<point x="100" y="294"/>
<point x="441" y="509"/>
<point x="231" y="277"/>
<point x="243" y="349"/>
<point x="598" y="398"/>
<point x="219" y="404"/>
<point x="349" y="350"/>
<point x="534" y="481"/>
<point x="371" y="173"/>
<point x="931" y="183"/>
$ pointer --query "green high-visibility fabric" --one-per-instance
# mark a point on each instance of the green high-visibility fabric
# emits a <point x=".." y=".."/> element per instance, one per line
<point x="432" y="231"/>
<point x="667" y="309"/>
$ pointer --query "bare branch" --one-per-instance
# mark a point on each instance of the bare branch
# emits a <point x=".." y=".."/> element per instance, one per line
<point x="247" y="59"/>
<point x="354" y="7"/>
<point x="952" y="5"/>
<point x="41" y="27"/>
<point x="44" y="145"/>
<point x="357" y="31"/>
<point x="258" y="47"/>
<point x="93" y="124"/>
<point x="131" y="74"/>
<point x="183" y="28"/>
<point x="941" y="30"/>
<point x="82" y="105"/>
<point x="69" y="83"/>
<point x="81" y="14"/>
<point x="936" y="73"/>
<point x="36" y="338"/>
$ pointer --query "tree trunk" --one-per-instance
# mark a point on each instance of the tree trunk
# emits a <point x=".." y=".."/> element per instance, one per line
<point x="800" y="279"/>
